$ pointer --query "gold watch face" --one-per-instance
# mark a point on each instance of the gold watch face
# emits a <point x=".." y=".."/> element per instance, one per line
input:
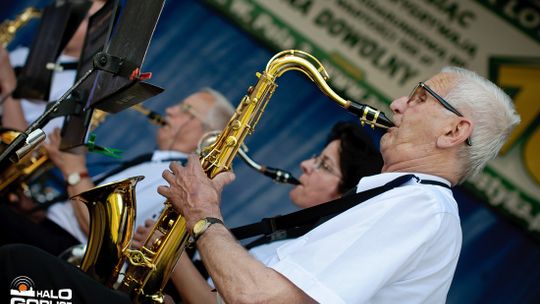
<point x="200" y="226"/>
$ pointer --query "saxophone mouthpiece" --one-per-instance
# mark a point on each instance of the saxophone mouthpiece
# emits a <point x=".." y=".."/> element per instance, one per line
<point x="280" y="176"/>
<point x="370" y="116"/>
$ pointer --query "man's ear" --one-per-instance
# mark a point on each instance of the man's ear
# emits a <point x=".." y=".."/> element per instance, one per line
<point x="458" y="132"/>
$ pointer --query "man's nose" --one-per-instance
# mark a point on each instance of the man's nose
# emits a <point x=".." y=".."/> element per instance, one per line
<point x="169" y="111"/>
<point x="398" y="105"/>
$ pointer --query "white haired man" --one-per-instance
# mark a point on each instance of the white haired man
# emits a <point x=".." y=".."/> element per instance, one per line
<point x="401" y="246"/>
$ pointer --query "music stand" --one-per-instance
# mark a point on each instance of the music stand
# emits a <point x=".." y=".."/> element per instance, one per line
<point x="121" y="88"/>
<point x="100" y="26"/>
<point x="124" y="63"/>
<point x="129" y="45"/>
<point x="59" y="21"/>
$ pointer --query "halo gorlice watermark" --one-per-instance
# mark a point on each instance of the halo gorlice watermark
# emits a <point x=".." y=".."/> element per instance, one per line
<point x="23" y="291"/>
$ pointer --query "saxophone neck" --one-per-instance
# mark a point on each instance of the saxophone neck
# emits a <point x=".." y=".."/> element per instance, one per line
<point x="314" y="70"/>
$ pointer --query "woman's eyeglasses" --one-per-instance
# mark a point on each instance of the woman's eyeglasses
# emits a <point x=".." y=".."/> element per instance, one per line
<point x="320" y="162"/>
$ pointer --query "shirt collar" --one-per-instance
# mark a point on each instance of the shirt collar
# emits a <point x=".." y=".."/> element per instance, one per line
<point x="370" y="182"/>
<point x="160" y="155"/>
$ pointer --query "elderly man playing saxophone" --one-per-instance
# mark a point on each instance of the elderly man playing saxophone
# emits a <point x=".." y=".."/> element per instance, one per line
<point x="400" y="246"/>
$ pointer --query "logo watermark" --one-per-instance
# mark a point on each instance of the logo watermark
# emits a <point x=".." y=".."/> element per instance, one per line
<point x="23" y="291"/>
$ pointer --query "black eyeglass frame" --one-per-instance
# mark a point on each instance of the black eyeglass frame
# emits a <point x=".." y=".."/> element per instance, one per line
<point x="441" y="100"/>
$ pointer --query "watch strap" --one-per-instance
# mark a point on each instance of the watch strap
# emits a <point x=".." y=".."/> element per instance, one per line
<point x="81" y="175"/>
<point x="208" y="221"/>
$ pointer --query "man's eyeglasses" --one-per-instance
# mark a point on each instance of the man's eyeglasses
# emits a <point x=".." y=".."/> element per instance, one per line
<point x="188" y="109"/>
<point x="320" y="162"/>
<point x="418" y="90"/>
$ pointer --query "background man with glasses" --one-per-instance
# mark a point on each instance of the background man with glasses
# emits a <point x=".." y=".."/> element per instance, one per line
<point x="67" y="223"/>
<point x="399" y="246"/>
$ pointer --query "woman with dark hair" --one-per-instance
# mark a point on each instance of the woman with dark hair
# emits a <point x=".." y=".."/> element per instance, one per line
<point x="348" y="156"/>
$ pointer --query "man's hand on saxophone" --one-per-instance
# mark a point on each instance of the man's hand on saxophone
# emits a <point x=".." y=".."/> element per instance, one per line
<point x="192" y="193"/>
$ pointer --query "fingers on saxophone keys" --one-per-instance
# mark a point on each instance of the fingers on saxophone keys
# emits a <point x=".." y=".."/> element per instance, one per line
<point x="164" y="191"/>
<point x="175" y="167"/>
<point x="193" y="160"/>
<point x="168" y="176"/>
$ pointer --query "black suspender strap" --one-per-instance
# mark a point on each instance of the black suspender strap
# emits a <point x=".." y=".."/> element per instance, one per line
<point x="69" y="65"/>
<point x="127" y="164"/>
<point x="133" y="162"/>
<point x="123" y="166"/>
<point x="299" y="222"/>
<point x="433" y="182"/>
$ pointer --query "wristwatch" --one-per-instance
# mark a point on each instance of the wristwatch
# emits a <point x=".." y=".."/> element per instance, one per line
<point x="201" y="225"/>
<point x="75" y="177"/>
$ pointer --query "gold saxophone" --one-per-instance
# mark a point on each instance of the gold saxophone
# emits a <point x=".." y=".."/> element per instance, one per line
<point x="17" y="176"/>
<point x="149" y="268"/>
<point x="8" y="28"/>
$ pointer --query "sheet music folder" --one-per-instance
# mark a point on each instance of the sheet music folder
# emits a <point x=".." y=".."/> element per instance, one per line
<point x="100" y="25"/>
<point x="130" y="42"/>
<point x="59" y="21"/>
<point x="109" y="92"/>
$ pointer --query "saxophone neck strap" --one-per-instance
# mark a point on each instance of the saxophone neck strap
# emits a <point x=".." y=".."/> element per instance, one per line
<point x="298" y="223"/>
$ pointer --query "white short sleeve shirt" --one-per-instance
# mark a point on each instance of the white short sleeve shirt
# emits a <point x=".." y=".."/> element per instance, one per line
<point x="399" y="247"/>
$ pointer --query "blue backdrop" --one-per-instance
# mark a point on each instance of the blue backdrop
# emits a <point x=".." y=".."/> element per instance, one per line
<point x="194" y="47"/>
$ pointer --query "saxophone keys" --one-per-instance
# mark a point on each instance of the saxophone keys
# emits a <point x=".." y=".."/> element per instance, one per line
<point x="236" y="124"/>
<point x="231" y="141"/>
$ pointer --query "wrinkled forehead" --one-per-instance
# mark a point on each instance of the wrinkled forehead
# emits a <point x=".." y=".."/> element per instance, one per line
<point x="442" y="83"/>
<point x="199" y="103"/>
